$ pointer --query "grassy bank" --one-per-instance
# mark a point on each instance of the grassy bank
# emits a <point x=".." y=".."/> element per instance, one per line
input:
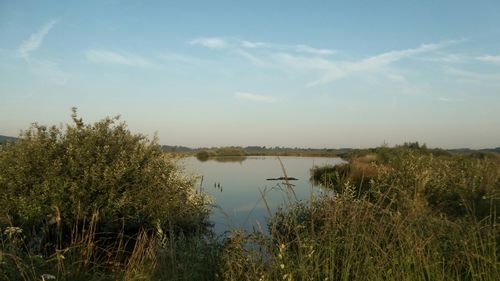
<point x="412" y="216"/>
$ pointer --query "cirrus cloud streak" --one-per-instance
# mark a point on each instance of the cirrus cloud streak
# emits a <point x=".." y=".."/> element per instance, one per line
<point x="254" y="97"/>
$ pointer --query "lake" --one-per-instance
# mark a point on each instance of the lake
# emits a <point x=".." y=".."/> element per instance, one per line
<point x="237" y="184"/>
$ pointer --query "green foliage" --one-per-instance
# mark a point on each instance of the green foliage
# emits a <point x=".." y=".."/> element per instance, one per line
<point x="203" y="155"/>
<point x="223" y="154"/>
<point x="330" y="176"/>
<point x="61" y="176"/>
<point x="453" y="185"/>
<point x="230" y="151"/>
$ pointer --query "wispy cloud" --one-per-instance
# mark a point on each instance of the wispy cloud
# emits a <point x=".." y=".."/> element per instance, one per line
<point x="256" y="60"/>
<point x="254" y="97"/>
<point x="392" y="56"/>
<point x="447" y="58"/>
<point x="299" y="62"/>
<point x="488" y="58"/>
<point x="443" y="99"/>
<point x="111" y="57"/>
<point x="180" y="58"/>
<point x="35" y="40"/>
<point x="234" y="43"/>
<point x="249" y="44"/>
<point x="343" y="69"/>
<point x="450" y="99"/>
<point x="318" y="64"/>
<point x="470" y="76"/>
<point x="47" y="70"/>
<point x="300" y="48"/>
<point x="314" y="51"/>
<point x="210" y="42"/>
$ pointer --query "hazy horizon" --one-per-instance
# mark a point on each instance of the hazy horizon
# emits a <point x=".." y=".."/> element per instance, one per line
<point x="320" y="74"/>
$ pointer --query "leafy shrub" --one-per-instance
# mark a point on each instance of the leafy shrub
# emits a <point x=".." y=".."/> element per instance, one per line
<point x="203" y="155"/>
<point x="56" y="176"/>
<point x="230" y="151"/>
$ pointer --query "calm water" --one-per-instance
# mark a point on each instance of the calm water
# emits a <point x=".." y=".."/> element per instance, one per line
<point x="242" y="182"/>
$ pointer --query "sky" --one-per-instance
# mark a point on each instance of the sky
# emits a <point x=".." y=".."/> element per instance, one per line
<point x="270" y="73"/>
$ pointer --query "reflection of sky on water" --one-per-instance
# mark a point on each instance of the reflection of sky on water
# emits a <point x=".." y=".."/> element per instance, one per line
<point x="240" y="202"/>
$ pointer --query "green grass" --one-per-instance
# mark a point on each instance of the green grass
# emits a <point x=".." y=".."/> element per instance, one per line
<point x="394" y="230"/>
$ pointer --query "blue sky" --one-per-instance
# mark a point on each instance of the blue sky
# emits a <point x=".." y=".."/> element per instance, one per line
<point x="274" y="73"/>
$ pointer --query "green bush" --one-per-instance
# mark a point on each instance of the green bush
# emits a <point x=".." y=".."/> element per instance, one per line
<point x="64" y="176"/>
<point x="330" y="176"/>
<point x="203" y="155"/>
<point x="230" y="151"/>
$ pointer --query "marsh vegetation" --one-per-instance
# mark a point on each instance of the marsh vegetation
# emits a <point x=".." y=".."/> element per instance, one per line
<point x="96" y="202"/>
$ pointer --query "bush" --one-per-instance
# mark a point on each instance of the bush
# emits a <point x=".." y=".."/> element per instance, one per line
<point x="329" y="176"/>
<point x="203" y="155"/>
<point x="230" y="151"/>
<point x="56" y="176"/>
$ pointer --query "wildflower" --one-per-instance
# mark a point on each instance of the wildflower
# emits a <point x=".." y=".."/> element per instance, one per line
<point x="12" y="230"/>
<point x="282" y="266"/>
<point x="46" y="276"/>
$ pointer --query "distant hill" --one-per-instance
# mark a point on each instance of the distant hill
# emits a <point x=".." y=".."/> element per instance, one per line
<point x="6" y="138"/>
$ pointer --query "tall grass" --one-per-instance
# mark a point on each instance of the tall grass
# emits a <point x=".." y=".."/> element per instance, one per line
<point x="392" y="231"/>
<point x="145" y="256"/>
<point x="357" y="240"/>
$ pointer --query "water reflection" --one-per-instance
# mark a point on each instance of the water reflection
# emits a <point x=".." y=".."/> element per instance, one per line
<point x="242" y="192"/>
<point x="222" y="159"/>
